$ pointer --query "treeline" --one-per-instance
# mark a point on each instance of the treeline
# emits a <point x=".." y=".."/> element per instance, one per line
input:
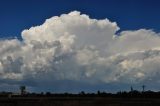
<point x="124" y="94"/>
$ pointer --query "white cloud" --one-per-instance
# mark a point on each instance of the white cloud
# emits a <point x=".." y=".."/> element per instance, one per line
<point x="74" y="47"/>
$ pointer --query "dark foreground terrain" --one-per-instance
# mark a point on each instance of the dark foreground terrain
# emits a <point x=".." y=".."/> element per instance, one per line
<point x="133" y="98"/>
<point x="79" y="101"/>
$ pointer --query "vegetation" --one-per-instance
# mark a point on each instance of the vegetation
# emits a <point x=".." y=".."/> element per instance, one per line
<point x="122" y="98"/>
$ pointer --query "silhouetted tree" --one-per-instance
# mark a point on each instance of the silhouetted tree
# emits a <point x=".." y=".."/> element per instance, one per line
<point x="48" y="93"/>
<point x="98" y="92"/>
<point x="82" y="93"/>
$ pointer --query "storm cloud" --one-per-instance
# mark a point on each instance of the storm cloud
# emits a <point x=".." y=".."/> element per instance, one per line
<point x="72" y="50"/>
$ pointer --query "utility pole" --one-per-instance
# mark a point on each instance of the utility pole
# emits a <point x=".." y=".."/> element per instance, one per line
<point x="143" y="88"/>
<point x="131" y="89"/>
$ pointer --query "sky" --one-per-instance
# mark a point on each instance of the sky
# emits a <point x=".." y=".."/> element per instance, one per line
<point x="17" y="15"/>
<point x="75" y="45"/>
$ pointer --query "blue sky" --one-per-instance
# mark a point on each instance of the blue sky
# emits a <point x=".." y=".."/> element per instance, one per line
<point x="17" y="15"/>
<point x="79" y="48"/>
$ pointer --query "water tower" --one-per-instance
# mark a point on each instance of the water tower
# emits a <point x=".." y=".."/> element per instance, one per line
<point x="23" y="90"/>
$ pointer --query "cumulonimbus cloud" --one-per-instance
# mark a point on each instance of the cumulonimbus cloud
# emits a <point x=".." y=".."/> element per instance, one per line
<point x="74" y="47"/>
